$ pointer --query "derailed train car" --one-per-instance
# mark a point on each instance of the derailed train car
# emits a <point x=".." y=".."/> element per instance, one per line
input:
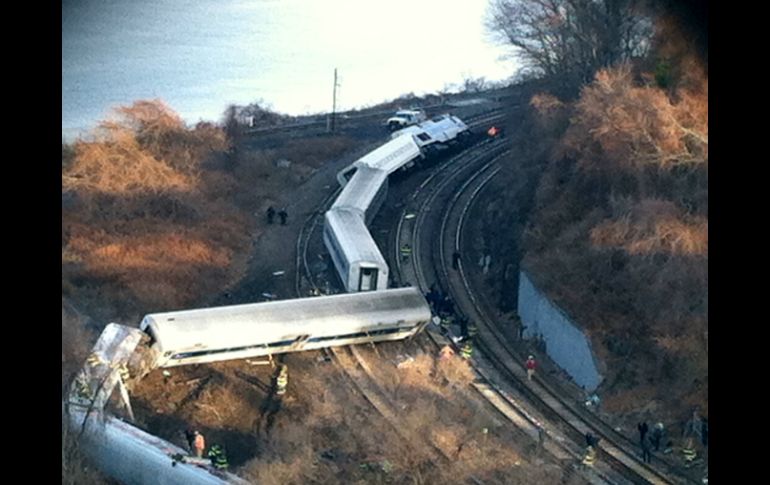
<point x="393" y="155"/>
<point x="365" y="192"/>
<point x="243" y="331"/>
<point x="355" y="255"/>
<point x="436" y="133"/>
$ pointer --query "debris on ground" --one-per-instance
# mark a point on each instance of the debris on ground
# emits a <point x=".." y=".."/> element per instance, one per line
<point x="404" y="361"/>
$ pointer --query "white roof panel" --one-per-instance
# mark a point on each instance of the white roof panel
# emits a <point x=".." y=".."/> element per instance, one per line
<point x="392" y="155"/>
<point x="353" y="237"/>
<point x="361" y="189"/>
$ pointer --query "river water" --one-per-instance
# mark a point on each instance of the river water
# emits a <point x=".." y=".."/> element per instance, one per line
<point x="199" y="56"/>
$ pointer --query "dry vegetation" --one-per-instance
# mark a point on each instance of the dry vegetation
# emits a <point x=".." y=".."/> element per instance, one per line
<point x="617" y="230"/>
<point x="325" y="432"/>
<point x="156" y="216"/>
<point x="147" y="216"/>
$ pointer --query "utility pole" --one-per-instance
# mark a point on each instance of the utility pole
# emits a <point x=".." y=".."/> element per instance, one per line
<point x="334" y="99"/>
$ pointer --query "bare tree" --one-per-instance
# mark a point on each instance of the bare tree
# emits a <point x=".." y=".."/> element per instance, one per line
<point x="567" y="41"/>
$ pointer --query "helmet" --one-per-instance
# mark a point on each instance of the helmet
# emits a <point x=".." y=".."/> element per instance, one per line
<point x="530" y="357"/>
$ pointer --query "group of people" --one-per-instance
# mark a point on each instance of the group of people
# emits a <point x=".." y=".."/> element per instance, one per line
<point x="282" y="215"/>
<point x="197" y="445"/>
<point x="440" y="303"/>
<point x="657" y="438"/>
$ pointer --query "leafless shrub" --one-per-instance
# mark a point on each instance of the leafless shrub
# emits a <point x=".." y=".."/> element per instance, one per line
<point x="149" y="217"/>
<point x="654" y="227"/>
<point x="619" y="123"/>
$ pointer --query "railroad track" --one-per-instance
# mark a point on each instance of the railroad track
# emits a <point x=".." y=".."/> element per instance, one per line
<point x="361" y="378"/>
<point x="475" y="170"/>
<point x="354" y="367"/>
<point x="617" y="449"/>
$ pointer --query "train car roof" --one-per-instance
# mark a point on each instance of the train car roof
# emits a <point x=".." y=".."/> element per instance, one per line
<point x="256" y="323"/>
<point x="392" y="155"/>
<point x="353" y="238"/>
<point x="438" y="125"/>
<point x="361" y="189"/>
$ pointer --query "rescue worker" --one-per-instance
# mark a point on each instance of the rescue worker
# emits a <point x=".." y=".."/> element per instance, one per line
<point x="530" y="364"/>
<point x="657" y="435"/>
<point x="493" y="131"/>
<point x="430" y="297"/>
<point x="447" y="306"/>
<point x="270" y="214"/>
<point x="590" y="456"/>
<point x="691" y="430"/>
<point x="282" y="380"/>
<point x="467" y="350"/>
<point x="218" y="458"/>
<point x="593" y="401"/>
<point x="406" y="251"/>
<point x="199" y="444"/>
<point x="646" y="446"/>
<point x="643" y="428"/>
<point x="189" y="435"/>
<point x="283" y="215"/>
<point x="591" y="440"/>
<point x="541" y="435"/>
<point x="464" y="328"/>
<point x="688" y="453"/>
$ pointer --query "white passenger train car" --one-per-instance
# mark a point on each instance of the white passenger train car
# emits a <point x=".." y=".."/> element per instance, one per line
<point x="442" y="130"/>
<point x="134" y="457"/>
<point x="242" y="331"/>
<point x="389" y="157"/>
<point x="354" y="253"/>
<point x="365" y="192"/>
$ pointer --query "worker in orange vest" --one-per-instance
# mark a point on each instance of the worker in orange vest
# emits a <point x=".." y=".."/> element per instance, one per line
<point x="199" y="444"/>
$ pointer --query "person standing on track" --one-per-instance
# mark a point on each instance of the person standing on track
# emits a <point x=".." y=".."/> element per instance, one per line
<point x="282" y="381"/>
<point x="646" y="447"/>
<point x="406" y="251"/>
<point x="531" y="365"/>
<point x="643" y="428"/>
<point x="199" y="444"/>
<point x="218" y="458"/>
<point x="466" y="352"/>
<point x="283" y="216"/>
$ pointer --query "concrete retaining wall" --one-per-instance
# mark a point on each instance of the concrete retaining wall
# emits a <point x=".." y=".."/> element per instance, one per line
<point x="565" y="342"/>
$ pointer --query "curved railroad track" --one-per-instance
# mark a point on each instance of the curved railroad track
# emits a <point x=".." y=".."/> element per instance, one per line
<point x="451" y="202"/>
<point x="481" y="167"/>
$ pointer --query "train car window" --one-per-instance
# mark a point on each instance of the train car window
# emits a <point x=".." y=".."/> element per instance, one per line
<point x="424" y="137"/>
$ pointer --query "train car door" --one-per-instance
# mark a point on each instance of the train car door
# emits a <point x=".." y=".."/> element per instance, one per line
<point x="367" y="279"/>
